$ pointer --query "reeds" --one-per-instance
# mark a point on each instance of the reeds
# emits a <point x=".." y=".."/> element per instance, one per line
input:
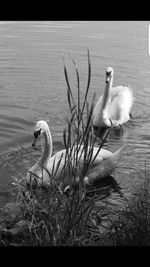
<point x="54" y="215"/>
<point x="131" y="226"/>
<point x="59" y="215"/>
<point x="78" y="136"/>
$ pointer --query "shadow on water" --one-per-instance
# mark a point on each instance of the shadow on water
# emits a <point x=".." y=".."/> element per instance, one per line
<point x="115" y="134"/>
<point x="106" y="186"/>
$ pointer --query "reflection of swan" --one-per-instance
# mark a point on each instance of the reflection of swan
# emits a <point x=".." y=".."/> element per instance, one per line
<point x="103" y="165"/>
<point x="114" y="106"/>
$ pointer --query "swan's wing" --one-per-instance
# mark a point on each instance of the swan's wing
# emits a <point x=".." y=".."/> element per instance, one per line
<point x="106" y="167"/>
<point x="56" y="162"/>
<point x="37" y="174"/>
<point x="121" y="104"/>
<point x="102" y="155"/>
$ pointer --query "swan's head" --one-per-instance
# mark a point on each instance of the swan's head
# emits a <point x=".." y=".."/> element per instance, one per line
<point x="40" y="127"/>
<point x="109" y="74"/>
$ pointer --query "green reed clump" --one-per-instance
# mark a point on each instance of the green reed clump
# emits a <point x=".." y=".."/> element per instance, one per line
<point x="58" y="215"/>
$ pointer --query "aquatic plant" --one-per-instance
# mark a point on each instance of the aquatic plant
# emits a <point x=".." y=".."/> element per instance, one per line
<point x="58" y="215"/>
<point x="131" y="226"/>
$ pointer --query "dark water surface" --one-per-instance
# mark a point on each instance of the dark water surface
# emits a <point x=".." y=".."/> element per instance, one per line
<point x="33" y="87"/>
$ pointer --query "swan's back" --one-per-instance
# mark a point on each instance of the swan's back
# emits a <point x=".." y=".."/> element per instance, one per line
<point x="106" y="168"/>
<point x="121" y="104"/>
<point x="120" y="91"/>
<point x="119" y="108"/>
<point x="58" y="160"/>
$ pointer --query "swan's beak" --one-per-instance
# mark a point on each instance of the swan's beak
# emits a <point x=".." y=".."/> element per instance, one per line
<point x="34" y="142"/>
<point x="107" y="78"/>
<point x="36" y="134"/>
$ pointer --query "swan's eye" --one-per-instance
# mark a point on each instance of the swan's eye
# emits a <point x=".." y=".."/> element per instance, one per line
<point x="37" y="133"/>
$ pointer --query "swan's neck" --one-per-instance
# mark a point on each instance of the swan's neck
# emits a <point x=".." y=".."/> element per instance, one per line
<point x="107" y="97"/>
<point x="47" y="146"/>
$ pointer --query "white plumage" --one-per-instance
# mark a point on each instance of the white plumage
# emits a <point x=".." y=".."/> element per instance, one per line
<point x="48" y="163"/>
<point x="114" y="105"/>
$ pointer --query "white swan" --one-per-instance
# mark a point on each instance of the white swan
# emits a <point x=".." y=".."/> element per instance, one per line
<point x="103" y="165"/>
<point x="114" y="106"/>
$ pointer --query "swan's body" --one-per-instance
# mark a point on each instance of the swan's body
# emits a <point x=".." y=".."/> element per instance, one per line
<point x="114" y="106"/>
<point x="53" y="165"/>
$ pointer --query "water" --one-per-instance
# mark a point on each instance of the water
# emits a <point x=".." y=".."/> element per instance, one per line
<point x="33" y="87"/>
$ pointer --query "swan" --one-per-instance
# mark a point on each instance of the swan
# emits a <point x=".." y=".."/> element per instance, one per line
<point x="103" y="165"/>
<point x="113" y="108"/>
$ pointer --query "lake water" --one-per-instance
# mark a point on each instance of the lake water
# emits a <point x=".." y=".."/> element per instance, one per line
<point x="33" y="87"/>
